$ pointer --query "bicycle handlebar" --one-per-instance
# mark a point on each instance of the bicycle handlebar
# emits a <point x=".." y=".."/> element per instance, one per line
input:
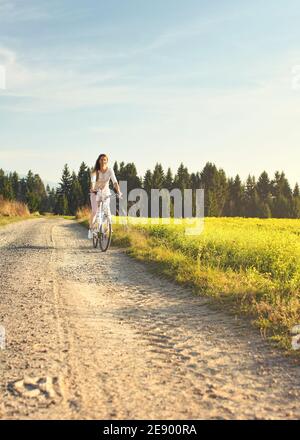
<point x="120" y="196"/>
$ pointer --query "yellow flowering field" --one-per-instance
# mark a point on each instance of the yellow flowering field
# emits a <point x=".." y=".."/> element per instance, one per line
<point x="250" y="265"/>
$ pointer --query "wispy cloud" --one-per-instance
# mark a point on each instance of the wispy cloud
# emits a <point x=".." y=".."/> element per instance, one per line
<point x="16" y="11"/>
<point x="46" y="88"/>
<point x="20" y="154"/>
<point x="33" y="88"/>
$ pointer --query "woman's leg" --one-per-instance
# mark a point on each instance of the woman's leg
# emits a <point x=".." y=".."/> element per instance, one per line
<point x="106" y="207"/>
<point x="94" y="208"/>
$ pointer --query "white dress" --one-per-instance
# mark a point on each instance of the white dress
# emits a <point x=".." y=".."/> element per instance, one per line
<point x="101" y="182"/>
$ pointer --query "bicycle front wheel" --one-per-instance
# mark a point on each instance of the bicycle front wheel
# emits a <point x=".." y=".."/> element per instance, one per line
<point x="105" y="235"/>
<point x="95" y="240"/>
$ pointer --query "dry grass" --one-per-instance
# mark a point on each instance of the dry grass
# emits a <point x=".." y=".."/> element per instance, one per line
<point x="83" y="213"/>
<point x="10" y="208"/>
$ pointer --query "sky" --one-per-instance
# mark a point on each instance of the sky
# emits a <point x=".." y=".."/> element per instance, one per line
<point x="166" y="81"/>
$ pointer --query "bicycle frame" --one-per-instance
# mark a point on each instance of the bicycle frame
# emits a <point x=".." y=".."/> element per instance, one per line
<point x="102" y="235"/>
<point x="101" y="214"/>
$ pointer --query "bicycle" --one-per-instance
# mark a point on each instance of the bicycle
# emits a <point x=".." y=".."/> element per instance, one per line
<point x="102" y="226"/>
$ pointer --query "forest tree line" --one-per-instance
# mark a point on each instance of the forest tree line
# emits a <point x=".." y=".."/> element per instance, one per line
<point x="264" y="197"/>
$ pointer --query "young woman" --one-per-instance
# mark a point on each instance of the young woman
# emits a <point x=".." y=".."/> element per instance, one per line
<point x="100" y="177"/>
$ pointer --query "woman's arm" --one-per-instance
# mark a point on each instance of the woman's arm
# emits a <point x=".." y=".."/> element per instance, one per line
<point x="117" y="188"/>
<point x="115" y="182"/>
<point x="93" y="183"/>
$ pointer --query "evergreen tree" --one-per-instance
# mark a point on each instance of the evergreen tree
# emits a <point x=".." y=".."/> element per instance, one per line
<point x="264" y="210"/>
<point x="51" y="202"/>
<point x="122" y="171"/>
<point x="182" y="178"/>
<point x="250" y="199"/>
<point x="147" y="182"/>
<point x="195" y="180"/>
<point x="296" y="202"/>
<point x="116" y="169"/>
<point x="14" y="179"/>
<point x="158" y="177"/>
<point x="282" y="205"/>
<point x="2" y="177"/>
<point x="264" y="187"/>
<point x="64" y="190"/>
<point x="76" y="196"/>
<point x="84" y="179"/>
<point x="168" y="181"/>
<point x="215" y="186"/>
<point x="236" y="196"/>
<point x="7" y="190"/>
<point x="35" y="193"/>
<point x="61" y="203"/>
<point x="22" y="190"/>
<point x="147" y="186"/>
<point x="128" y="173"/>
<point x="66" y="181"/>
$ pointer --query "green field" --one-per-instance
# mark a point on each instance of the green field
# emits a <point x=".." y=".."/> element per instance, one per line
<point x="251" y="266"/>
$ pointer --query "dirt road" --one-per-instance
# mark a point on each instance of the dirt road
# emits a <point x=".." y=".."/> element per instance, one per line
<point x="92" y="335"/>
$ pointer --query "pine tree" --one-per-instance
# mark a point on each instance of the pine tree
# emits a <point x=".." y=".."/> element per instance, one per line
<point x="282" y="205"/>
<point x="147" y="186"/>
<point x="7" y="189"/>
<point x="61" y="203"/>
<point x="263" y="187"/>
<point x="66" y="181"/>
<point x="51" y="201"/>
<point x="84" y="179"/>
<point x="237" y="193"/>
<point x="2" y="177"/>
<point x="296" y="202"/>
<point x="158" y="177"/>
<point x="76" y="196"/>
<point x="64" y="191"/>
<point x="35" y="193"/>
<point x="215" y="186"/>
<point x="116" y="169"/>
<point x="250" y="198"/>
<point x="182" y="178"/>
<point x="22" y="190"/>
<point x="168" y="181"/>
<point x="122" y="171"/>
<point x="30" y="181"/>
<point x="133" y="180"/>
<point x="195" y="180"/>
<point x="147" y="181"/>
<point x="264" y="210"/>
<point x="14" y="178"/>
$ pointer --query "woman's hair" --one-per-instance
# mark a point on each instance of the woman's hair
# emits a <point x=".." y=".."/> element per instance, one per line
<point x="97" y="164"/>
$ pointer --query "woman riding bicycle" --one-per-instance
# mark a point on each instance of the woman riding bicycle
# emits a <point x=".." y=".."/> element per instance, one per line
<point x="100" y="178"/>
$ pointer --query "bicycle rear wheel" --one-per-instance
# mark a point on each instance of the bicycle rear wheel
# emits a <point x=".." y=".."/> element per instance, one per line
<point x="105" y="235"/>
